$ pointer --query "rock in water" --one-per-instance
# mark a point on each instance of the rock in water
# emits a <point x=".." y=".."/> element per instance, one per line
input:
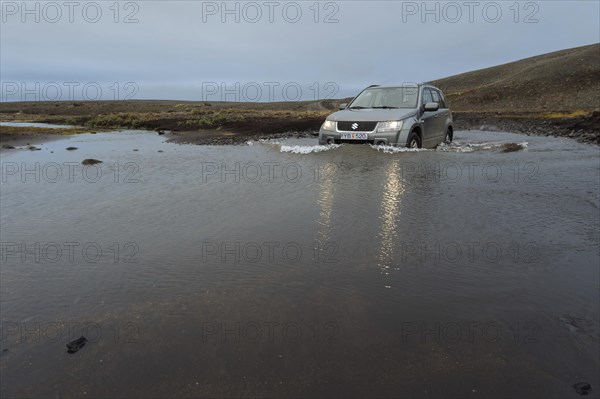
<point x="582" y="388"/>
<point x="8" y="147"/>
<point x="71" y="148"/>
<point x="77" y="344"/>
<point x="512" y="147"/>
<point x="90" y="161"/>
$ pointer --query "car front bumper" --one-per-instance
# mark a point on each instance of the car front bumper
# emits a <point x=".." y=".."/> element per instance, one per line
<point x="393" y="138"/>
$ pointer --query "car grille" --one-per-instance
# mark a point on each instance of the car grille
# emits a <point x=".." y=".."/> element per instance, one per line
<point x="360" y="126"/>
<point x="354" y="141"/>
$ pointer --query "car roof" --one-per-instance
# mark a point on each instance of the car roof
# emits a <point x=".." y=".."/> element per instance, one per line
<point x="390" y="86"/>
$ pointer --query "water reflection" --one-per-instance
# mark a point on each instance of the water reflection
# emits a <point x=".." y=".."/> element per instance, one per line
<point x="390" y="204"/>
<point x="325" y="202"/>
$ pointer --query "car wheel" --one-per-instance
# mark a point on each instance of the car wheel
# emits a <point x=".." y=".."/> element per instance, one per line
<point x="449" y="136"/>
<point x="414" y="141"/>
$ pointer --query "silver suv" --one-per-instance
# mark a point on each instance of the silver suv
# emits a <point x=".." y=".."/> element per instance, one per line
<point x="415" y="116"/>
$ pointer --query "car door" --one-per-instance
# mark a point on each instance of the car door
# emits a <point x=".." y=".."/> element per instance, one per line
<point x="447" y="114"/>
<point x="428" y="118"/>
<point x="440" y="115"/>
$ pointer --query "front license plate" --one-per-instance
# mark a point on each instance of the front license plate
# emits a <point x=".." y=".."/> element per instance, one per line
<point x="355" y="136"/>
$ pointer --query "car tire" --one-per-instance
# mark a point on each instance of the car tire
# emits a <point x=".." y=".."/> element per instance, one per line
<point x="449" y="136"/>
<point x="414" y="141"/>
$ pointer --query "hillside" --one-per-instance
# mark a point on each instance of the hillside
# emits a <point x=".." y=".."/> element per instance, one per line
<point x="562" y="81"/>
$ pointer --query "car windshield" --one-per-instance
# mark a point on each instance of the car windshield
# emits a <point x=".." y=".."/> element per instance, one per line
<point x="387" y="97"/>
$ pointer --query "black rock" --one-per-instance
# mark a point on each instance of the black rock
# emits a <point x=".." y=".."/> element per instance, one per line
<point x="8" y="147"/>
<point x="90" y="161"/>
<point x="71" y="148"/>
<point x="511" y="147"/>
<point x="77" y="344"/>
<point x="33" y="148"/>
<point x="582" y="388"/>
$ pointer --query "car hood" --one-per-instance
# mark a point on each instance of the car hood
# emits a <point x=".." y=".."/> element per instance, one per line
<point x="371" y="115"/>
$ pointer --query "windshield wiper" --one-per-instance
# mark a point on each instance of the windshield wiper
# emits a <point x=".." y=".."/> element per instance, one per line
<point x="386" y="107"/>
<point x="358" y="107"/>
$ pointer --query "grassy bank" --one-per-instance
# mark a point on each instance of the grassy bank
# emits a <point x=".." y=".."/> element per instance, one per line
<point x="233" y="122"/>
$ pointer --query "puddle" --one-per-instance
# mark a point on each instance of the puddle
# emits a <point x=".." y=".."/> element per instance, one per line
<point x="34" y="124"/>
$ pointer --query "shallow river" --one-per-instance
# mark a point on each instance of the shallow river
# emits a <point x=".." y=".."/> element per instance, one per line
<point x="283" y="268"/>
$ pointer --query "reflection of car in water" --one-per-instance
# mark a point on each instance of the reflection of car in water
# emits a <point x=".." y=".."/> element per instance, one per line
<point x="414" y="116"/>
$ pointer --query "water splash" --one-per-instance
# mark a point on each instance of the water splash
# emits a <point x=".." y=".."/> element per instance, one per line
<point x="458" y="146"/>
<point x="388" y="149"/>
<point x="308" y="149"/>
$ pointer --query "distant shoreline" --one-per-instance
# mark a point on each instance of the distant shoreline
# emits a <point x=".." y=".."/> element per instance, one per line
<point x="583" y="128"/>
<point x="236" y="123"/>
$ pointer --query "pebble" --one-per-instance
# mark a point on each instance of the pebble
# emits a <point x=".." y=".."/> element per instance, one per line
<point x="76" y="344"/>
<point x="582" y="388"/>
<point x="90" y="161"/>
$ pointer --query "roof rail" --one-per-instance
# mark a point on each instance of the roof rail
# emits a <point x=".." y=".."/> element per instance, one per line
<point x="373" y="86"/>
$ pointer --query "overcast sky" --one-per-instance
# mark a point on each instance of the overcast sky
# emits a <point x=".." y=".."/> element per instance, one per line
<point x="268" y="50"/>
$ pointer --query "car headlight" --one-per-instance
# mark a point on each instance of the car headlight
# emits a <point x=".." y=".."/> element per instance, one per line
<point x="329" y="125"/>
<point x="389" y="126"/>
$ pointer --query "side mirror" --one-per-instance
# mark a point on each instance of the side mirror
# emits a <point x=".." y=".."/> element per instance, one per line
<point x="343" y="106"/>
<point x="431" y="107"/>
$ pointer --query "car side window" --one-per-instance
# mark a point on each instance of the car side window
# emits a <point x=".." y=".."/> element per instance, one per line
<point x="427" y="98"/>
<point x="438" y="98"/>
